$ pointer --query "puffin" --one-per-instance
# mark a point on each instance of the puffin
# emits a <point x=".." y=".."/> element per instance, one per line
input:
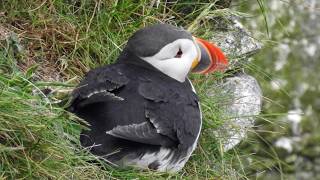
<point x="142" y="111"/>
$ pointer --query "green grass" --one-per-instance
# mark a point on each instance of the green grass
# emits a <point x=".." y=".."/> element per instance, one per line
<point x="57" y="43"/>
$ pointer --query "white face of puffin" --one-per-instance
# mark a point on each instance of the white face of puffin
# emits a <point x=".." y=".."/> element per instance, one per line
<point x="176" y="59"/>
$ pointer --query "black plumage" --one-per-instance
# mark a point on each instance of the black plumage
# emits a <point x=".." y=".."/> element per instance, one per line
<point x="148" y="41"/>
<point x="134" y="109"/>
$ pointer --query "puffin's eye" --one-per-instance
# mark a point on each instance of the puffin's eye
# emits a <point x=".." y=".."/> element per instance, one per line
<point x="179" y="54"/>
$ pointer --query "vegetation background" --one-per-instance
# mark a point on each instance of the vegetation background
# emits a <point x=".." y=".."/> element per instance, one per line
<point x="288" y="143"/>
<point x="46" y="46"/>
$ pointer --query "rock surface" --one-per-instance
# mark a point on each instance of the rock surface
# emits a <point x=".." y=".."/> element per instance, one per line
<point x="245" y="96"/>
<point x="236" y="42"/>
<point x="240" y="110"/>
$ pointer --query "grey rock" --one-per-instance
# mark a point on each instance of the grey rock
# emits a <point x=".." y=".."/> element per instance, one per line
<point x="243" y="90"/>
<point x="236" y="42"/>
<point x="244" y="104"/>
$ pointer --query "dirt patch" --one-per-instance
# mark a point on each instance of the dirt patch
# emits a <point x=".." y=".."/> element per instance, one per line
<point x="4" y="33"/>
<point x="45" y="46"/>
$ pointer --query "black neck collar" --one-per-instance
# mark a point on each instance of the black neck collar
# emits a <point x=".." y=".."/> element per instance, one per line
<point x="127" y="57"/>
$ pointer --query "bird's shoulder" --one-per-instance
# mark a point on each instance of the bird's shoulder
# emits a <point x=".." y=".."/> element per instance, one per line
<point x="109" y="76"/>
<point x="98" y="85"/>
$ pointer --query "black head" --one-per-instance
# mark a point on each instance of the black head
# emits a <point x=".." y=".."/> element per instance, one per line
<point x="148" y="41"/>
<point x="173" y="51"/>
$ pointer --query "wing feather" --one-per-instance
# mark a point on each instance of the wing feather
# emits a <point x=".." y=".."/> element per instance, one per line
<point x="98" y="86"/>
<point x="142" y="133"/>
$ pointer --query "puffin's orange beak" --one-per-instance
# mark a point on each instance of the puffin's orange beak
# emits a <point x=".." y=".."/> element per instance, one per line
<point x="212" y="58"/>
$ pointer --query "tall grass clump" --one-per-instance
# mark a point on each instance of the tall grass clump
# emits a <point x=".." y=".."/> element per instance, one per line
<point x="37" y="139"/>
